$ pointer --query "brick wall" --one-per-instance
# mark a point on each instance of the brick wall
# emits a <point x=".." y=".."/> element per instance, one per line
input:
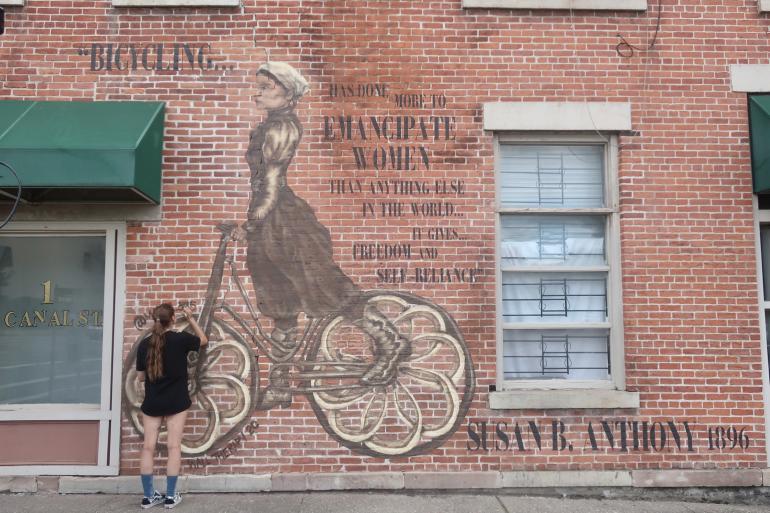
<point x="689" y="272"/>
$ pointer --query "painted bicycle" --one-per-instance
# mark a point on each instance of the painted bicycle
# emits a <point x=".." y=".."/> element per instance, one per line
<point x="416" y="411"/>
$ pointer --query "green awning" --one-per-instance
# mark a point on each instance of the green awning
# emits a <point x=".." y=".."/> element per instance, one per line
<point x="82" y="151"/>
<point x="759" y="132"/>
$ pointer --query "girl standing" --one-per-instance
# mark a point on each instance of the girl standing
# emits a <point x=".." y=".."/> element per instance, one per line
<point x="161" y="363"/>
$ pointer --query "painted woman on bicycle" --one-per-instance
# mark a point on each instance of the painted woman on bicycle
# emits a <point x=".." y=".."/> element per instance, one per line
<point x="289" y="253"/>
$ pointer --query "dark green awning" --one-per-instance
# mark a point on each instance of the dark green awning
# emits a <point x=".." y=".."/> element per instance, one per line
<point x="759" y="131"/>
<point x="82" y="151"/>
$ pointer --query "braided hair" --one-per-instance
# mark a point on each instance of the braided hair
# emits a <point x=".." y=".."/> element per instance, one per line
<point x="162" y="315"/>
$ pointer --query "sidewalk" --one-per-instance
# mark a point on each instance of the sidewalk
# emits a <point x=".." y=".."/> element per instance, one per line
<point x="360" y="502"/>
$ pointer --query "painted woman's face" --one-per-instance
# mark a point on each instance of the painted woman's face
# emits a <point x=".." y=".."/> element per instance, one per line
<point x="270" y="95"/>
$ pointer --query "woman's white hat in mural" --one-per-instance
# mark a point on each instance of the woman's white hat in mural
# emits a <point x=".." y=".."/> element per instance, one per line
<point x="287" y="76"/>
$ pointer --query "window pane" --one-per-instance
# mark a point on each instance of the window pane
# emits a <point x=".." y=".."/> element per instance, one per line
<point x="51" y="300"/>
<point x="764" y="237"/>
<point x="552" y="240"/>
<point x="767" y="331"/>
<point x="554" y="297"/>
<point x="550" y="176"/>
<point x="556" y="354"/>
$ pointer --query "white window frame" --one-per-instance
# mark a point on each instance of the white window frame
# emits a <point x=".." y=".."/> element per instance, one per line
<point x="762" y="217"/>
<point x="176" y="3"/>
<point x="108" y="411"/>
<point x="11" y="3"/>
<point x="594" y="5"/>
<point x="568" y="393"/>
<point x="764" y="5"/>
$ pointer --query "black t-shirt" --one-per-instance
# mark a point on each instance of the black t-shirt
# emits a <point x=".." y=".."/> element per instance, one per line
<point x="168" y="395"/>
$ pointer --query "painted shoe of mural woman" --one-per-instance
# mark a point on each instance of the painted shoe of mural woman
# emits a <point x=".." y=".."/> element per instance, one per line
<point x="289" y="253"/>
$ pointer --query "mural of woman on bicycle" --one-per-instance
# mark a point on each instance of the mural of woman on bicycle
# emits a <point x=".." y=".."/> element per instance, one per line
<point x="386" y="372"/>
<point x="289" y="252"/>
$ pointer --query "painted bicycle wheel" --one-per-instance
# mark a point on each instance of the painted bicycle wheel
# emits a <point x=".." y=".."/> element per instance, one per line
<point x="223" y="386"/>
<point x="420" y="408"/>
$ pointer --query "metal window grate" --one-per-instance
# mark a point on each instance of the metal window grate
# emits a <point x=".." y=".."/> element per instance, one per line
<point x="552" y="241"/>
<point x="554" y="354"/>
<point x="550" y="183"/>
<point x="555" y="297"/>
<point x="558" y="355"/>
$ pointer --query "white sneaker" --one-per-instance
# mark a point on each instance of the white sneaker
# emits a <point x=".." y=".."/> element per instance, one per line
<point x="172" y="501"/>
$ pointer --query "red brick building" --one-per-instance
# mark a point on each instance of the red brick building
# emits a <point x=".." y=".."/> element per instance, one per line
<point x="560" y="204"/>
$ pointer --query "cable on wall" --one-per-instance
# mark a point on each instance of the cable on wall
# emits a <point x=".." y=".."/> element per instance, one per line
<point x="626" y="49"/>
<point x="16" y="200"/>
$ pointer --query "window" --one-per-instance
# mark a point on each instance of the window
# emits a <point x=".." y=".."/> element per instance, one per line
<point x="764" y="237"/>
<point x="559" y="312"/>
<point x="559" y="294"/>
<point x="51" y="300"/>
<point x="613" y="5"/>
<point x="61" y="296"/>
<point x="554" y="263"/>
